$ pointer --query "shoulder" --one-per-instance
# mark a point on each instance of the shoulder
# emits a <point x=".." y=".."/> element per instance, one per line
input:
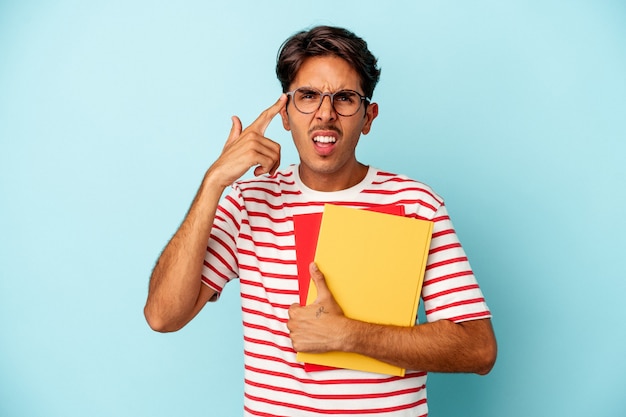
<point x="404" y="188"/>
<point x="266" y="186"/>
<point x="282" y="179"/>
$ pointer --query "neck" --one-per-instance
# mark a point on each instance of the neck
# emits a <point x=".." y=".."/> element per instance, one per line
<point x="328" y="182"/>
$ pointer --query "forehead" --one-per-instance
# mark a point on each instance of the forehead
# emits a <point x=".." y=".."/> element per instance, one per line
<point x="327" y="73"/>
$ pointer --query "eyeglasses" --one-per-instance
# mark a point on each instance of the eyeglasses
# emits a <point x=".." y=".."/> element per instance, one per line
<point x="345" y="102"/>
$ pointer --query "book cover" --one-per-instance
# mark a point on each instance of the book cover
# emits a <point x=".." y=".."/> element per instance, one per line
<point x="374" y="265"/>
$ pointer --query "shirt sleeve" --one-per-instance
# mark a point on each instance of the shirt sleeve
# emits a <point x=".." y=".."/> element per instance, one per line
<point x="450" y="290"/>
<point x="220" y="260"/>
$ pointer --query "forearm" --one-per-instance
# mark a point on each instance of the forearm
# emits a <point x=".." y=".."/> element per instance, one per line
<point x="175" y="283"/>
<point x="441" y="346"/>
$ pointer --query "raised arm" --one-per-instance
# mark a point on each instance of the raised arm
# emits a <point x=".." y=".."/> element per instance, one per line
<point x="176" y="293"/>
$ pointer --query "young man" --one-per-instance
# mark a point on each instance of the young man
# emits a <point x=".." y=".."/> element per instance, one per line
<point x="328" y="76"/>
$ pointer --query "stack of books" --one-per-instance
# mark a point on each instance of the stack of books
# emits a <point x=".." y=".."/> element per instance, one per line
<point x="373" y="261"/>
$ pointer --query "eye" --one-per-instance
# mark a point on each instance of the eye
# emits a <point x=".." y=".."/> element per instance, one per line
<point x="308" y="95"/>
<point x="347" y="97"/>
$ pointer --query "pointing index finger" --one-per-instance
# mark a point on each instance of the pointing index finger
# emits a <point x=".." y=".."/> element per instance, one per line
<point x="265" y="118"/>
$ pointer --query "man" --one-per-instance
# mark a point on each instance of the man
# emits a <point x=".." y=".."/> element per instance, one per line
<point x="328" y="76"/>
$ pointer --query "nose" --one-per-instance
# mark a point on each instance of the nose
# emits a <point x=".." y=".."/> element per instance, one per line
<point x="326" y="110"/>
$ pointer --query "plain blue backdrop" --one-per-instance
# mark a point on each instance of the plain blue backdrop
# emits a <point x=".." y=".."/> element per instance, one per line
<point x="110" y="112"/>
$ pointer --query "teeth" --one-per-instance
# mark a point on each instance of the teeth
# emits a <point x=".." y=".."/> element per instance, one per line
<point x="324" y="139"/>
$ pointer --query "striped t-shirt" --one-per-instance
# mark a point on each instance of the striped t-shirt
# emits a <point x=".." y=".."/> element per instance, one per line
<point x="253" y="240"/>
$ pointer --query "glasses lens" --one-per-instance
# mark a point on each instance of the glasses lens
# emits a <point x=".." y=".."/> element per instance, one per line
<point x="306" y="100"/>
<point x="347" y="102"/>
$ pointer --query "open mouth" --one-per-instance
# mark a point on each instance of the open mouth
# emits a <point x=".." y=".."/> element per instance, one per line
<point x="324" y="144"/>
<point x="324" y="140"/>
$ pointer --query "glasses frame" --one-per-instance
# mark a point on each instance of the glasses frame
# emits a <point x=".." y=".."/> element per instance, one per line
<point x="332" y="100"/>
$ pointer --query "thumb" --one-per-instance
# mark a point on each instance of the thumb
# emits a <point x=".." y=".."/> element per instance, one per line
<point x="319" y="281"/>
<point x="235" y="131"/>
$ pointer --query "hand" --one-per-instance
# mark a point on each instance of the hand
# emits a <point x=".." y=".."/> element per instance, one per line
<point x="318" y="327"/>
<point x="248" y="148"/>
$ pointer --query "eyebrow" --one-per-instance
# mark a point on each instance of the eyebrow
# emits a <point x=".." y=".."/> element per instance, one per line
<point x="308" y="87"/>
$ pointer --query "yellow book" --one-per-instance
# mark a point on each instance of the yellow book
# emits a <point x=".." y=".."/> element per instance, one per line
<point x="374" y="266"/>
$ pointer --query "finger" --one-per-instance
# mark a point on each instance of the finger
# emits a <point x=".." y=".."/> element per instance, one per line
<point x="291" y="310"/>
<point x="235" y="130"/>
<point x="274" y="167"/>
<point x="265" y="118"/>
<point x="266" y="157"/>
<point x="320" y="281"/>
<point x="262" y="169"/>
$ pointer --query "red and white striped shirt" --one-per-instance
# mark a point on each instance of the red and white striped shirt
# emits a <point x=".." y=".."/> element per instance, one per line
<point x="253" y="240"/>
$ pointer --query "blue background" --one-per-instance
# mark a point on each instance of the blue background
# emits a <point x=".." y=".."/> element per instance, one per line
<point x="110" y="112"/>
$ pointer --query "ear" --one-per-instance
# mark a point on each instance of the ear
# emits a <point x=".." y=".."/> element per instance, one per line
<point x="285" y="116"/>
<point x="370" y="115"/>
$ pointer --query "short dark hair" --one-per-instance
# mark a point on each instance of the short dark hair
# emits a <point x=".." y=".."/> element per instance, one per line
<point x="325" y="41"/>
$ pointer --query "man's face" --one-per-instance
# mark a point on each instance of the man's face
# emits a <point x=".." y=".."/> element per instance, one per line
<point x="326" y="141"/>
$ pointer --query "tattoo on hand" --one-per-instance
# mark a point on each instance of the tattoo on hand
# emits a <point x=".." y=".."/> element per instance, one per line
<point x="320" y="311"/>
